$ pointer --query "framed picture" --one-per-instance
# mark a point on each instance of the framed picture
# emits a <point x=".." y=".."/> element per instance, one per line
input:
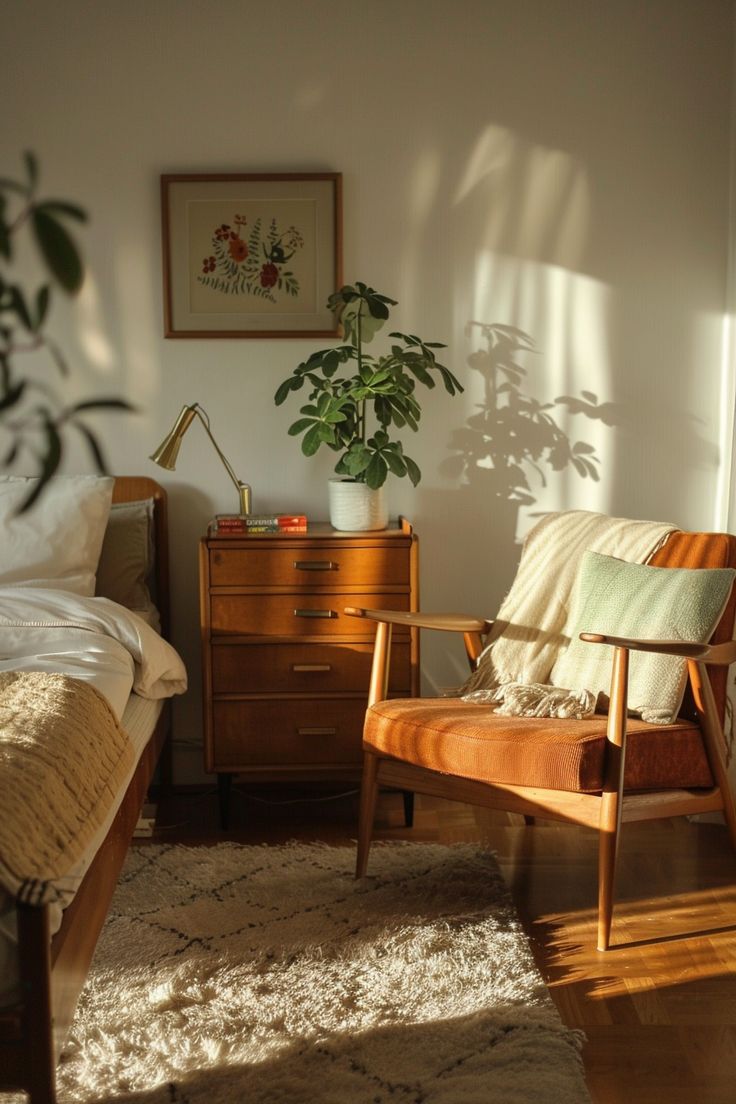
<point x="253" y="255"/>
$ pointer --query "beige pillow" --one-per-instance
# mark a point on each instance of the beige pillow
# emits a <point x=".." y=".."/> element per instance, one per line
<point x="57" y="542"/>
<point x="127" y="557"/>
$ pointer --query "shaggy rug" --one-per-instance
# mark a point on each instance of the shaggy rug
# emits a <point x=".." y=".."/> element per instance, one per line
<point x="259" y="975"/>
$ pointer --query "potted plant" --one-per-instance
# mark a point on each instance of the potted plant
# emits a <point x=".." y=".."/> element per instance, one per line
<point x="356" y="414"/>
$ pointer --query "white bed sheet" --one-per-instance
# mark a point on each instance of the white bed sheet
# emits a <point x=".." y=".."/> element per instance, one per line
<point x="94" y="639"/>
<point x="139" y="719"/>
<point x="107" y="645"/>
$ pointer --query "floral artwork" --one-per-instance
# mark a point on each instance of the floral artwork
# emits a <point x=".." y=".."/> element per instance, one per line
<point x="251" y="255"/>
<point x="252" y="260"/>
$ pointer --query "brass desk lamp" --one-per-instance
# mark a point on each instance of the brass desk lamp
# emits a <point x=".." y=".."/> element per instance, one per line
<point x="167" y="452"/>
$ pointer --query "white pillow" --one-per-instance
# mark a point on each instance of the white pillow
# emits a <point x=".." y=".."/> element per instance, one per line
<point x="57" y="542"/>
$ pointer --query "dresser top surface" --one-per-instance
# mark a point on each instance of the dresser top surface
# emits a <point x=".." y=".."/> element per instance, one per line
<point x="316" y="530"/>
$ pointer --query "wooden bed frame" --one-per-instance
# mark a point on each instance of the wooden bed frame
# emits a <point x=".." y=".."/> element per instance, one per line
<point x="53" y="971"/>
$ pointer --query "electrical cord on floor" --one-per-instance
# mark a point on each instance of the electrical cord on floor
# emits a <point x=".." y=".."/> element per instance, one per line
<point x="294" y="800"/>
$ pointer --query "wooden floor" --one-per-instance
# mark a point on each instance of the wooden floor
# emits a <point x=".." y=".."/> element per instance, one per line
<point x="658" y="1009"/>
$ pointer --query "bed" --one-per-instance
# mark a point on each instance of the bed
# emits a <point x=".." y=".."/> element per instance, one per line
<point x="43" y="974"/>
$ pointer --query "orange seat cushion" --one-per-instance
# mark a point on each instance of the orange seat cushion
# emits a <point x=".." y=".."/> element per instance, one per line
<point x="469" y="741"/>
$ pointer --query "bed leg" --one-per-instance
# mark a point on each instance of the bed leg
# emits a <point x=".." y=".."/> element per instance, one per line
<point x="43" y="1089"/>
<point x="35" y="972"/>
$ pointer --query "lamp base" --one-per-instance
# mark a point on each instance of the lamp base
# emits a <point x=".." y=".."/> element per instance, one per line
<point x="245" y="498"/>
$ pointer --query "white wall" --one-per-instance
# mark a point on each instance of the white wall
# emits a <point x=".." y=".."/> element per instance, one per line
<point x="556" y="165"/>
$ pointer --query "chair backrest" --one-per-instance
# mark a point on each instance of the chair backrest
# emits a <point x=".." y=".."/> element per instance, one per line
<point x="704" y="550"/>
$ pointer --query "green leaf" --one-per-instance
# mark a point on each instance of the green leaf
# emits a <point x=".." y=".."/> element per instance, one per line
<point x="43" y="299"/>
<point x="284" y="390"/>
<point x="418" y="369"/>
<point x="299" y="426"/>
<point x="8" y="185"/>
<point x="57" y="357"/>
<point x="376" y="472"/>
<point x="11" y="455"/>
<point x="377" y="308"/>
<point x="452" y="383"/>
<point x="6" y="250"/>
<point x="326" y="433"/>
<point x="13" y="395"/>
<point x="312" y="441"/>
<point x="102" y="404"/>
<point x="58" y="249"/>
<point x="396" y="463"/>
<point x="18" y="304"/>
<point x="49" y="463"/>
<point x="31" y="163"/>
<point x="61" y="207"/>
<point x="413" y="470"/>
<point x="93" y="445"/>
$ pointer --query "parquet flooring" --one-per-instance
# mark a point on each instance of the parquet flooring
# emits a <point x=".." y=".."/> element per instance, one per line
<point x="658" y="1009"/>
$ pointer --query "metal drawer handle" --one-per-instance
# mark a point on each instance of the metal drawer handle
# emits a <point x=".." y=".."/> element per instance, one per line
<point x="315" y="565"/>
<point x="314" y="613"/>
<point x="317" y="731"/>
<point x="311" y="666"/>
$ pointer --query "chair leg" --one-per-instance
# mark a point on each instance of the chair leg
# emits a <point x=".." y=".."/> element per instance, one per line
<point x="368" y="794"/>
<point x="714" y="742"/>
<point x="608" y="836"/>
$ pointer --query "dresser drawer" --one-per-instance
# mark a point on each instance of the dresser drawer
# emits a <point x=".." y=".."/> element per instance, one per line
<point x="290" y="668"/>
<point x="337" y="565"/>
<point x="272" y="732"/>
<point x="297" y="615"/>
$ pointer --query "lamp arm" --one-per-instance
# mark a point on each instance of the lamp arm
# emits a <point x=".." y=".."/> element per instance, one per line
<point x="242" y="488"/>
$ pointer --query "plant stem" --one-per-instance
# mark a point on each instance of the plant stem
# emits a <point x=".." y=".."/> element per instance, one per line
<point x="359" y="335"/>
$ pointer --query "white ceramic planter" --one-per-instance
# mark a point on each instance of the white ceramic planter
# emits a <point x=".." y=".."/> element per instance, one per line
<point x="355" y="506"/>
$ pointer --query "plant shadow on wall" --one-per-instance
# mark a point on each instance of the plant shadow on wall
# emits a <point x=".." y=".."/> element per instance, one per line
<point x="501" y="456"/>
<point x="514" y="436"/>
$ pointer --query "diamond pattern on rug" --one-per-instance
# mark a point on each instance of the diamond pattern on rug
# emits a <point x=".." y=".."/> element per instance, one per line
<point x="234" y="973"/>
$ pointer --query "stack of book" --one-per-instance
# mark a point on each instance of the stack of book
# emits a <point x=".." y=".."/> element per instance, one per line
<point x="245" y="524"/>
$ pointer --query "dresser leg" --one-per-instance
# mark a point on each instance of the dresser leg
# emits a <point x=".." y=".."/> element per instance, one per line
<point x="224" y="786"/>
<point x="408" y="808"/>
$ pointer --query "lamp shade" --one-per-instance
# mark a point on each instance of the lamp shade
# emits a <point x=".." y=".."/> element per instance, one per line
<point x="167" y="452"/>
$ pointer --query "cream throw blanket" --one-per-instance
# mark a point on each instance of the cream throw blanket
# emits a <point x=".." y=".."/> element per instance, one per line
<point x="63" y="759"/>
<point x="532" y="625"/>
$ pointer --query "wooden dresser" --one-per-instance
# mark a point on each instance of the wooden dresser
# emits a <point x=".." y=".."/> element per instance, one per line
<point x="285" y="671"/>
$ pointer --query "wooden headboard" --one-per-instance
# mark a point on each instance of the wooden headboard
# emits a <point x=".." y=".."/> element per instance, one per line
<point x="134" y="488"/>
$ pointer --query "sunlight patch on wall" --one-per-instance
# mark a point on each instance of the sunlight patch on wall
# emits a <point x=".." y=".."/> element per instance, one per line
<point x="564" y="316"/>
<point x="92" y="337"/>
<point x="535" y="200"/>
<point x="522" y="212"/>
<point x="141" y="324"/>
<point x="724" y="508"/>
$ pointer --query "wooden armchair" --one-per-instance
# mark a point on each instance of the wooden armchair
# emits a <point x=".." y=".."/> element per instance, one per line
<point x="598" y="772"/>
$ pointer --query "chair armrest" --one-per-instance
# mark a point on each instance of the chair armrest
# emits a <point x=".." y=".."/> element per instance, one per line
<point x="450" y="622"/>
<point x="704" y="653"/>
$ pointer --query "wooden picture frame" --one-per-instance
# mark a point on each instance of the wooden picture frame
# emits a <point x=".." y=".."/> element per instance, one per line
<point x="252" y="254"/>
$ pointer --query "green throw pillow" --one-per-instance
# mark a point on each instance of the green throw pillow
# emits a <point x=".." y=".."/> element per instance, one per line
<point x="650" y="603"/>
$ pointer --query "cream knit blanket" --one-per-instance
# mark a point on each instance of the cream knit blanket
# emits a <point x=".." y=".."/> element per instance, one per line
<point x="532" y="625"/>
<point x="63" y="759"/>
